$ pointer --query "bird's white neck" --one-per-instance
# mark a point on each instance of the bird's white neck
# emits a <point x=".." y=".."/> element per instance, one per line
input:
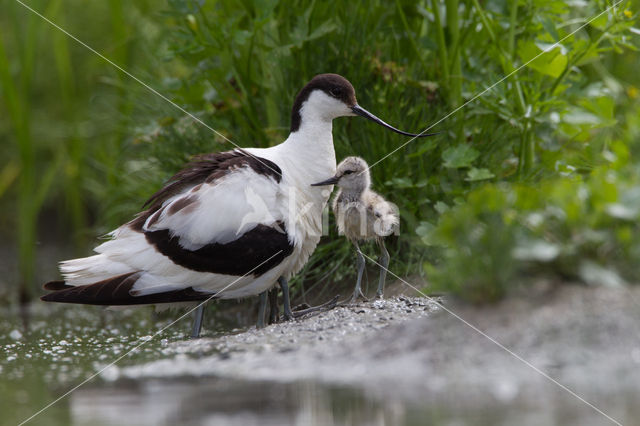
<point x="310" y="152"/>
<point x="307" y="156"/>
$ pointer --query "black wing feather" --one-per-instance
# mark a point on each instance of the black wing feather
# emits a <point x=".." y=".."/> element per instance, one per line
<point x="255" y="252"/>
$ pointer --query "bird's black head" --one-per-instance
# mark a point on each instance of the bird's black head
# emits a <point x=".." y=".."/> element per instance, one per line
<point x="333" y="85"/>
<point x="328" y="96"/>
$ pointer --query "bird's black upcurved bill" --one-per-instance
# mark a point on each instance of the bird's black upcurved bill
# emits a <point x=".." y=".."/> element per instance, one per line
<point x="357" y="109"/>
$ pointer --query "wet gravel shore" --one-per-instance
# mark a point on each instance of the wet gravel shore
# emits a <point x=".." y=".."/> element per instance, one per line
<point x="571" y="351"/>
<point x="288" y="348"/>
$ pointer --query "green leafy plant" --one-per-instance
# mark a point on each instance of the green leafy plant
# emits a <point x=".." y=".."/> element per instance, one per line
<point x="580" y="228"/>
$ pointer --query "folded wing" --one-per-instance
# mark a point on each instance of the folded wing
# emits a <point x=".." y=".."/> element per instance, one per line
<point x="218" y="219"/>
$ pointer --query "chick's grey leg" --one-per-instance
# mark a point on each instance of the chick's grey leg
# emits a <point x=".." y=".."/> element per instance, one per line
<point x="288" y="315"/>
<point x="198" y="316"/>
<point x="261" y="309"/>
<point x="383" y="260"/>
<point x="358" y="290"/>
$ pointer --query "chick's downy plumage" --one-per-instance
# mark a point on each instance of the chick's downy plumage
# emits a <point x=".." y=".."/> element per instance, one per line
<point x="361" y="214"/>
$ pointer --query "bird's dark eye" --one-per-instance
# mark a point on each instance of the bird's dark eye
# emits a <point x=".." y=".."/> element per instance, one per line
<point x="347" y="172"/>
<point x="336" y="92"/>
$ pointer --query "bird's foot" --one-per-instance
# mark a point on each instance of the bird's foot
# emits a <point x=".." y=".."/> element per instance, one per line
<point x="288" y="316"/>
<point x="358" y="294"/>
<point x="300" y="312"/>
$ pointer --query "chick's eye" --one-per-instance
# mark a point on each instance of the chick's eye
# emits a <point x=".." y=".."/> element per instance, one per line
<point x="348" y="172"/>
<point x="336" y="92"/>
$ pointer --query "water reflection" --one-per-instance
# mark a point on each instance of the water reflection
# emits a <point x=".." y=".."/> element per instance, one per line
<point x="213" y="401"/>
<point x="228" y="402"/>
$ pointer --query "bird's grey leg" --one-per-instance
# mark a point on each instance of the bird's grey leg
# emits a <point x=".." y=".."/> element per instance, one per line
<point x="358" y="290"/>
<point x="383" y="260"/>
<point x="288" y="315"/>
<point x="274" y="309"/>
<point x="197" y="321"/>
<point x="261" y="308"/>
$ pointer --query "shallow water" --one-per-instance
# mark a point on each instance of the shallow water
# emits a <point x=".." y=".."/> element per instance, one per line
<point x="63" y="345"/>
<point x="59" y="346"/>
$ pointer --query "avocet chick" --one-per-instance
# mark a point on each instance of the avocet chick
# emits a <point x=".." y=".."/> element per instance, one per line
<point x="362" y="215"/>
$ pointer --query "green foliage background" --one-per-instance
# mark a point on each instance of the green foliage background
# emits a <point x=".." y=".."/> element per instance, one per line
<point x="481" y="203"/>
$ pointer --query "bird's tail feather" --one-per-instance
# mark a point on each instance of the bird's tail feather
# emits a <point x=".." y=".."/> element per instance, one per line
<point x="88" y="270"/>
<point x="117" y="291"/>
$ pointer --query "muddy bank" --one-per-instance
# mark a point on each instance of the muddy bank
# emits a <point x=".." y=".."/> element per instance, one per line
<point x="586" y="339"/>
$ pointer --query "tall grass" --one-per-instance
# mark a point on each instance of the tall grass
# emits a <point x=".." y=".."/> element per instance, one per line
<point x="54" y="125"/>
<point x="74" y="144"/>
<point x="17" y="105"/>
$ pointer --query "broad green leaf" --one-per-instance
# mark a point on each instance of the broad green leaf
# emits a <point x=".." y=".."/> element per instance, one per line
<point x="402" y="182"/>
<point x="550" y="27"/>
<point x="425" y="231"/>
<point x="600" y="22"/>
<point x="580" y="116"/>
<point x="602" y="106"/>
<point x="591" y="51"/>
<point x="627" y="207"/>
<point x="478" y="174"/>
<point x="594" y="274"/>
<point x="539" y="251"/>
<point x="621" y="211"/>
<point x="441" y="207"/>
<point x="459" y="156"/>
<point x="325" y="28"/>
<point x="551" y="63"/>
